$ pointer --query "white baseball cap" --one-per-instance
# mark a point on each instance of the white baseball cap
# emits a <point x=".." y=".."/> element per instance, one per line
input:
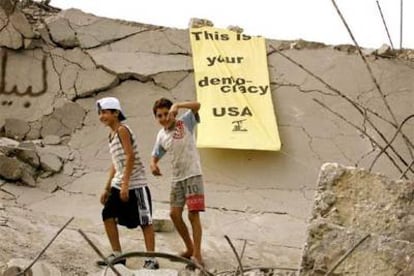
<point x="110" y="103"/>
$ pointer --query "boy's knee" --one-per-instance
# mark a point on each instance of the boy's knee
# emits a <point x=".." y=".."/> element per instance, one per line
<point x="193" y="216"/>
<point x="175" y="215"/>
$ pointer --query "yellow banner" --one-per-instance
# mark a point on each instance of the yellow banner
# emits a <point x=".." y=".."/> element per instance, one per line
<point x="232" y="85"/>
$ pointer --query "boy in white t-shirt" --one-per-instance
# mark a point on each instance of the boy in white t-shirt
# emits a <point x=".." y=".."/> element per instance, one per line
<point x="176" y="137"/>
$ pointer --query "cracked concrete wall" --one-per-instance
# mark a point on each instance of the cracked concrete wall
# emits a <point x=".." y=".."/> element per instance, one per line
<point x="366" y="215"/>
<point x="50" y="84"/>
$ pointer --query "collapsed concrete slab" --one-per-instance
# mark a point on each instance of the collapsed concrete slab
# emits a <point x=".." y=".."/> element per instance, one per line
<point x="72" y="28"/>
<point x="367" y="213"/>
<point x="64" y="120"/>
<point x="141" y="65"/>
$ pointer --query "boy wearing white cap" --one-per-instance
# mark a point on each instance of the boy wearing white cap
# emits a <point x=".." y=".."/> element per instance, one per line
<point x="126" y="197"/>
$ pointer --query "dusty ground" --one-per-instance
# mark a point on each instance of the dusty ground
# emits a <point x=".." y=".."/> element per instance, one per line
<point x="29" y="218"/>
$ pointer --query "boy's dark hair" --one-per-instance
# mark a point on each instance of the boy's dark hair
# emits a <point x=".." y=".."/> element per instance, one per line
<point x="111" y="110"/>
<point x="161" y="103"/>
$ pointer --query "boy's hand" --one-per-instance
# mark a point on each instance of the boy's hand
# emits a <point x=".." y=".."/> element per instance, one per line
<point x="124" y="194"/>
<point x="155" y="169"/>
<point x="173" y="112"/>
<point x="104" y="197"/>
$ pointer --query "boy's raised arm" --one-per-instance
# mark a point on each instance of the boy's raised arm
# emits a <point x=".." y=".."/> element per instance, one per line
<point x="193" y="105"/>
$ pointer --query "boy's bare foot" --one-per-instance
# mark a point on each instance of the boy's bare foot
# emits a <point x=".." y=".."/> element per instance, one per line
<point x="198" y="260"/>
<point x="186" y="254"/>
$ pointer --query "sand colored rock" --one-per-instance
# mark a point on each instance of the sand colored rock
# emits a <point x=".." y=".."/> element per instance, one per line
<point x="351" y="206"/>
<point x="16" y="129"/>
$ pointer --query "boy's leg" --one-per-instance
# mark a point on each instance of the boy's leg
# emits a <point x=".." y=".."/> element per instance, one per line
<point x="111" y="230"/>
<point x="149" y="237"/>
<point x="176" y="214"/>
<point x="195" y="203"/>
<point x="194" y="217"/>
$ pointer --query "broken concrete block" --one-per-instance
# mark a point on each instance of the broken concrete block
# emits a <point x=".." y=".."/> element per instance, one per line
<point x="169" y="80"/>
<point x="40" y="268"/>
<point x="62" y="32"/>
<point x="34" y="132"/>
<point x="28" y="178"/>
<point x="63" y="121"/>
<point x="91" y="81"/>
<point x="10" y="168"/>
<point x="235" y="29"/>
<point x="162" y="222"/>
<point x="51" y="140"/>
<point x="351" y="204"/>
<point x="373" y="255"/>
<point x="27" y="153"/>
<point x="141" y="65"/>
<point x="20" y="23"/>
<point x="200" y="22"/>
<point x="384" y="50"/>
<point x="16" y="128"/>
<point x="50" y="162"/>
<point x="9" y="36"/>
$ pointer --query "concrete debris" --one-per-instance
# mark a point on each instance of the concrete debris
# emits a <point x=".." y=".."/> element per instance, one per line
<point x="349" y="204"/>
<point x="141" y="65"/>
<point x="40" y="268"/>
<point x="63" y="121"/>
<point x="10" y="168"/>
<point x="385" y="51"/>
<point x="61" y="32"/>
<point x="72" y="28"/>
<point x="198" y="23"/>
<point x="302" y="44"/>
<point x="16" y="129"/>
<point x="162" y="221"/>
<point x="52" y="140"/>
<point x="92" y="81"/>
<point x="50" y="162"/>
<point x="169" y="80"/>
<point x="236" y="29"/>
<point x="27" y="153"/>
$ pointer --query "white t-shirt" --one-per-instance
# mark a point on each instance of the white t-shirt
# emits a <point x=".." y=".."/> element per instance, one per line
<point x="180" y="142"/>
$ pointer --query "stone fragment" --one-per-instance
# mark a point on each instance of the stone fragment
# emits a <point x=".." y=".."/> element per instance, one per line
<point x="199" y="22"/>
<point x="384" y="50"/>
<point x="351" y="204"/>
<point x="40" y="268"/>
<point x="16" y="128"/>
<point x="169" y="80"/>
<point x="51" y="140"/>
<point x="34" y="132"/>
<point x="27" y="153"/>
<point x="72" y="28"/>
<point x="20" y="23"/>
<point x="9" y="36"/>
<point x="141" y="65"/>
<point x="92" y="81"/>
<point x="50" y="162"/>
<point x="235" y="29"/>
<point x="162" y="222"/>
<point x="61" y="32"/>
<point x="10" y="168"/>
<point x="63" y="121"/>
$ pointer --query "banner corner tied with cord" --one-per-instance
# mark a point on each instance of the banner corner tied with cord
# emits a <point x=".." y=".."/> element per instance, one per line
<point x="232" y="85"/>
